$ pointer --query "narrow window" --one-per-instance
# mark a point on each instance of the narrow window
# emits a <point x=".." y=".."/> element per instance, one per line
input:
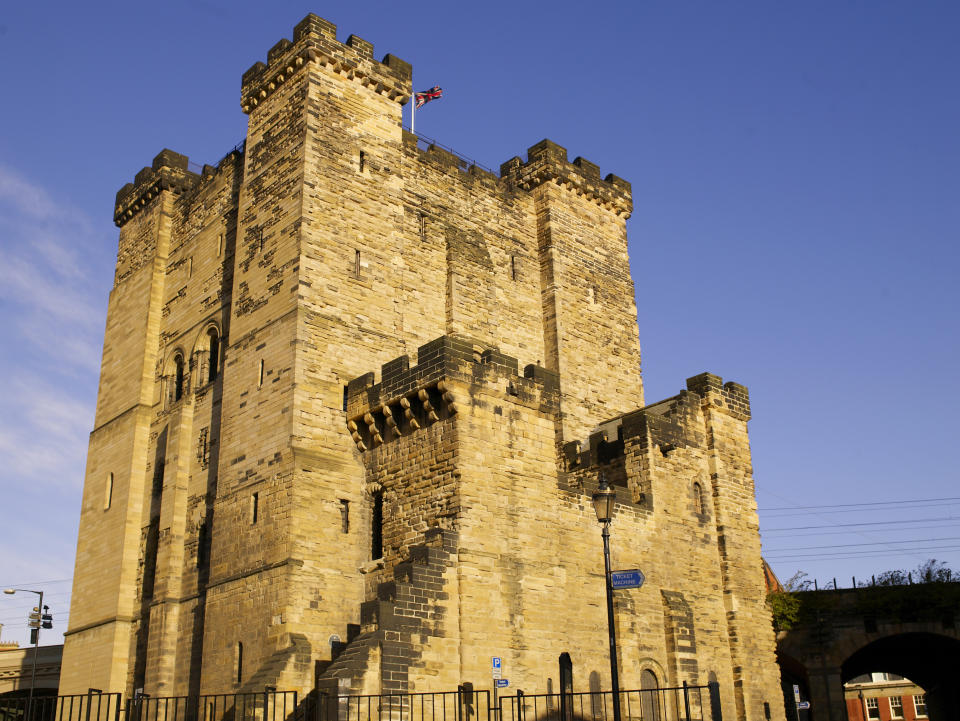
<point x="345" y="515"/>
<point x="239" y="662"/>
<point x="214" y="359"/>
<point x="220" y="245"/>
<point x="108" y="495"/>
<point x="202" y="545"/>
<point x="649" y="696"/>
<point x="346" y="390"/>
<point x="189" y="267"/>
<point x="260" y="380"/>
<point x="158" y="478"/>
<point x="254" y="507"/>
<point x="423" y="226"/>
<point x="698" y="499"/>
<point x="261" y="240"/>
<point x="513" y="267"/>
<point x="178" y="378"/>
<point x="376" y="527"/>
<point x="363" y="160"/>
<point x="356" y="264"/>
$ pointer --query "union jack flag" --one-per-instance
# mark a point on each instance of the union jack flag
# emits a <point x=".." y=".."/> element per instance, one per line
<point x="426" y="96"/>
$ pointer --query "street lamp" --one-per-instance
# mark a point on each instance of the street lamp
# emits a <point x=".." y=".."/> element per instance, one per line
<point x="36" y="644"/>
<point x="603" y="502"/>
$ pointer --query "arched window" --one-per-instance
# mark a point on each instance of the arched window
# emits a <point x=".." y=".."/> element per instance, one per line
<point x="650" y="696"/>
<point x="213" y="362"/>
<point x="698" y="498"/>
<point x="178" y="378"/>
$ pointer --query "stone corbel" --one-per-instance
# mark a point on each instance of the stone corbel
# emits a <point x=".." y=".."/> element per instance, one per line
<point x="427" y="406"/>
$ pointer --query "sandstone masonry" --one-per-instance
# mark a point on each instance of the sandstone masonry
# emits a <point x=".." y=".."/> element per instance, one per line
<point x="354" y="399"/>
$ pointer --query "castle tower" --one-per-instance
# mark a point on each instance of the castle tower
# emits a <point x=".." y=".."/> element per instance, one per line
<point x="313" y="431"/>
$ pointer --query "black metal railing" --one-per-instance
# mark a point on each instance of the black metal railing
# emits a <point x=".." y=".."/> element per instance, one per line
<point x="166" y="708"/>
<point x="461" y="705"/>
<point x="76" y="707"/>
<point x="257" y="706"/>
<point x="683" y="703"/>
<point x="425" y="141"/>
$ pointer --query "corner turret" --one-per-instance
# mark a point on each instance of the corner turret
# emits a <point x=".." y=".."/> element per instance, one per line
<point x="315" y="40"/>
<point x="547" y="161"/>
<point x="168" y="172"/>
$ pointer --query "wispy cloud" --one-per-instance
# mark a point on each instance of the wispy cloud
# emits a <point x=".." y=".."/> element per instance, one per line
<point x="52" y="320"/>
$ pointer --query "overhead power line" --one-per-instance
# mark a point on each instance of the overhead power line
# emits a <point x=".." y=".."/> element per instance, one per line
<point x="872" y="553"/>
<point x="898" y="523"/>
<point x="839" y="546"/>
<point x="867" y="504"/>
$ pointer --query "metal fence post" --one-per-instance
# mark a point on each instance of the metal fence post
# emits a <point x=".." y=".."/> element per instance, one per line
<point x="686" y="700"/>
<point x="716" y="713"/>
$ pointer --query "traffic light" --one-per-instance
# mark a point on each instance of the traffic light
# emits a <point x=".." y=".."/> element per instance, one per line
<point x="34" y="618"/>
<point x="47" y="618"/>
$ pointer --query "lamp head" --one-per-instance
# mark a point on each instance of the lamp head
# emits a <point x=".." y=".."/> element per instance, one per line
<point x="603" y="500"/>
<point x="9" y="591"/>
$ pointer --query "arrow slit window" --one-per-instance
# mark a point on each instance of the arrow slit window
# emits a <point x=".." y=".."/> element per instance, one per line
<point x="108" y="495"/>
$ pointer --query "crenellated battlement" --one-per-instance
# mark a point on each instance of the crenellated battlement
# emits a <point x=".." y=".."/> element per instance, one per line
<point x="445" y="159"/>
<point x="168" y="172"/>
<point x="547" y="162"/>
<point x="408" y="398"/>
<point x="665" y="425"/>
<point x="315" y="40"/>
<point x="730" y="397"/>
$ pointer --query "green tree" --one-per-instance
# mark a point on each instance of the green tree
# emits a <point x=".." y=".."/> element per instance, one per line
<point x="785" y="605"/>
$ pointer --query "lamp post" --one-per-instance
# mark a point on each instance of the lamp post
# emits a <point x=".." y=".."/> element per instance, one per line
<point x="603" y="502"/>
<point x="36" y="644"/>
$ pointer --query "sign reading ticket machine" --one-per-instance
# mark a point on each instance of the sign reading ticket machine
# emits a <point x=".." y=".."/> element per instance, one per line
<point x="627" y="579"/>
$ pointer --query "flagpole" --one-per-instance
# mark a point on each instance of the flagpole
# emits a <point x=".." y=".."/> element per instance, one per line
<point x="413" y="113"/>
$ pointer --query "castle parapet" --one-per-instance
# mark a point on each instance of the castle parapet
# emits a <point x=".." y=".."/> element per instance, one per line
<point x="547" y="162"/>
<point x="168" y="172"/>
<point x="730" y="397"/>
<point x="664" y="426"/>
<point x="408" y="398"/>
<point x="315" y="40"/>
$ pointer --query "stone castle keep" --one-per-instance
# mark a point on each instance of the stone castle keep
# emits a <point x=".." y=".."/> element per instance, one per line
<point x="354" y="400"/>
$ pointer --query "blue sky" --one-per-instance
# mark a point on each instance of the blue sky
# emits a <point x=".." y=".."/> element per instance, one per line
<point x="796" y="177"/>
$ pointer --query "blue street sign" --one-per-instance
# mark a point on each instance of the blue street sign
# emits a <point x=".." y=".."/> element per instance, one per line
<point x="496" y="661"/>
<point x="633" y="578"/>
<point x="502" y="682"/>
<point x="803" y="705"/>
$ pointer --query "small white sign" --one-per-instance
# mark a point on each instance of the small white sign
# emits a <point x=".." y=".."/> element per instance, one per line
<point x="796" y="693"/>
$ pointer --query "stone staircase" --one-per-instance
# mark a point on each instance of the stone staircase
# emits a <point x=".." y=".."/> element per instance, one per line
<point x="379" y="652"/>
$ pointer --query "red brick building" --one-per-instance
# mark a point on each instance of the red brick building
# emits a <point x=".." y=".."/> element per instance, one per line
<point x="884" y="697"/>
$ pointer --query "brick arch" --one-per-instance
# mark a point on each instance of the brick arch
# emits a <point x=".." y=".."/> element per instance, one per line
<point x="170" y="374"/>
<point x="930" y="660"/>
<point x="201" y="348"/>
<point x="904" y="630"/>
